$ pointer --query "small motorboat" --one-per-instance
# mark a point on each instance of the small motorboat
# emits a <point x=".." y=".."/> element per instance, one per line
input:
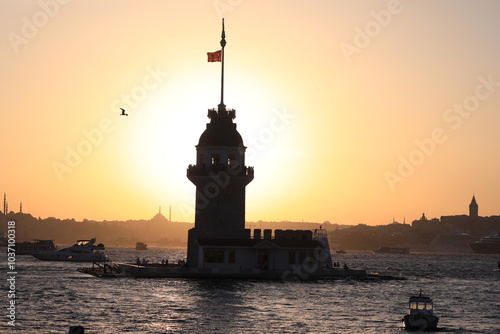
<point x="81" y="251"/>
<point x="420" y="315"/>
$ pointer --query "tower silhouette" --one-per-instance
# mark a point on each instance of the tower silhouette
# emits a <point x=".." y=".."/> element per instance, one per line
<point x="5" y="204"/>
<point x="473" y="208"/>
<point x="220" y="177"/>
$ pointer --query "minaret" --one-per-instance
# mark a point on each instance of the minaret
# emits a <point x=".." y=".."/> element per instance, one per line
<point x="21" y="207"/>
<point x="4" y="203"/>
<point x="220" y="177"/>
<point x="473" y="208"/>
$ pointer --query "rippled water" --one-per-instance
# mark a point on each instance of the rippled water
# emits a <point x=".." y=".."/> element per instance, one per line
<point x="51" y="296"/>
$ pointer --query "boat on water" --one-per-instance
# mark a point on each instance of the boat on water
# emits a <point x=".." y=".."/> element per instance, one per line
<point x="420" y="315"/>
<point x="392" y="250"/>
<point x="32" y="247"/>
<point x="141" y="246"/>
<point x="487" y="245"/>
<point x="81" y="251"/>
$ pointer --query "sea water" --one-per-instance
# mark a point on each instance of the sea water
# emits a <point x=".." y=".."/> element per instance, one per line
<point x="52" y="296"/>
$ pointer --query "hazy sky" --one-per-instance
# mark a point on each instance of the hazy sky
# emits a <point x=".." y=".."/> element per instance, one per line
<point x="351" y="111"/>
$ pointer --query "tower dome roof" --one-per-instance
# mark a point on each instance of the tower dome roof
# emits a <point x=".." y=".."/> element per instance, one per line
<point x="221" y="131"/>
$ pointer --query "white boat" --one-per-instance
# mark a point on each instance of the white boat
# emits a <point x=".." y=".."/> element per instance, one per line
<point x="420" y="315"/>
<point x="81" y="251"/>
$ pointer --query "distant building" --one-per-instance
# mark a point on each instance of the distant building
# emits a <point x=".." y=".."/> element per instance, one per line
<point x="473" y="223"/>
<point x="159" y="217"/>
<point x="423" y="222"/>
<point x="473" y="208"/>
<point x="5" y="204"/>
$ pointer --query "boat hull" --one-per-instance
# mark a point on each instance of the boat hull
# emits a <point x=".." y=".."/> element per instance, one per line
<point x="485" y="248"/>
<point x="63" y="256"/>
<point x="420" y="322"/>
<point x="392" y="250"/>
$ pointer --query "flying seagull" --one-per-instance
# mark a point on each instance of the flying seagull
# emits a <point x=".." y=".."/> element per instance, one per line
<point x="123" y="112"/>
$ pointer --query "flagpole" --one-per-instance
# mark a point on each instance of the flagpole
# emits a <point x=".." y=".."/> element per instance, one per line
<point x="222" y="44"/>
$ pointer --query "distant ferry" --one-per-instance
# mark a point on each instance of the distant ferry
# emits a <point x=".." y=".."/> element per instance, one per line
<point x="392" y="250"/>
<point x="32" y="247"/>
<point x="488" y="245"/>
<point x="141" y="246"/>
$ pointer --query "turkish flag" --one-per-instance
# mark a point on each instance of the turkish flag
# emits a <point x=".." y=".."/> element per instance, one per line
<point x="214" y="56"/>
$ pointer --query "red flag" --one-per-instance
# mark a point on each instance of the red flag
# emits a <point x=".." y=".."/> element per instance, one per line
<point x="214" y="56"/>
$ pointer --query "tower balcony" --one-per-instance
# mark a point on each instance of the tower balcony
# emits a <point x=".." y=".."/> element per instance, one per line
<point x="228" y="113"/>
<point x="232" y="170"/>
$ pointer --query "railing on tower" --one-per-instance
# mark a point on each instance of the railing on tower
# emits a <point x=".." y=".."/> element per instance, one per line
<point x="232" y="169"/>
<point x="221" y="113"/>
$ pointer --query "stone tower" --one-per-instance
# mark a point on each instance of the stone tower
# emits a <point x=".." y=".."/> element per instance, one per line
<point x="473" y="208"/>
<point x="220" y="177"/>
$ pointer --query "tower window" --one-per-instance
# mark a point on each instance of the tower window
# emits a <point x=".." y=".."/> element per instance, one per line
<point x="231" y="159"/>
<point x="214" y="255"/>
<point x="215" y="159"/>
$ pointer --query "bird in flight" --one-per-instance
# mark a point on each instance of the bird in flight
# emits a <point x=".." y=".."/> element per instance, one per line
<point x="123" y="112"/>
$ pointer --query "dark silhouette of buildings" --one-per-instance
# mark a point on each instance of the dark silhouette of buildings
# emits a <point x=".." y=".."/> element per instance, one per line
<point x="472" y="224"/>
<point x="473" y="208"/>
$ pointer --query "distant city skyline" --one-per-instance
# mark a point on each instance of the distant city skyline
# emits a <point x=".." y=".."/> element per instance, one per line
<point x="351" y="112"/>
<point x="462" y="220"/>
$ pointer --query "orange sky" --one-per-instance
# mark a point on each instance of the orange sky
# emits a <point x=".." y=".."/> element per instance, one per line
<point x="352" y="111"/>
